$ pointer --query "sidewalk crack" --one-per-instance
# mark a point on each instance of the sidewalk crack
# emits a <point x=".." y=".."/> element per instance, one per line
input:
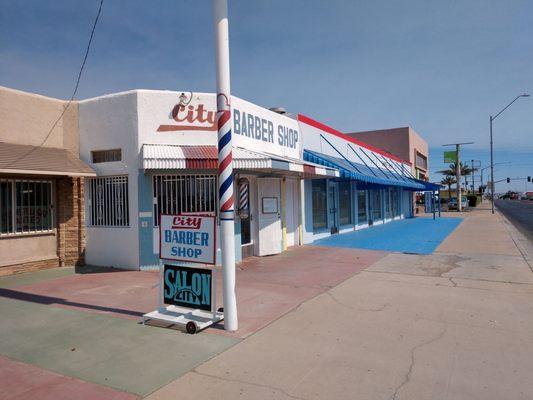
<point x="407" y="378"/>
<point x="377" y="309"/>
<point x="231" y="380"/>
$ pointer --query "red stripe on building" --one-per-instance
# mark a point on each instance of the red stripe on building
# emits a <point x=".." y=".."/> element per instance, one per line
<point x="328" y="129"/>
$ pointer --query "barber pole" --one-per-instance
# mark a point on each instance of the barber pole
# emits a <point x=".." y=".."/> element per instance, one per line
<point x="243" y="196"/>
<point x="225" y="161"/>
<point x="225" y="164"/>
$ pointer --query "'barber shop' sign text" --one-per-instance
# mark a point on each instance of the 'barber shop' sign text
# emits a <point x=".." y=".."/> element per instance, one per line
<point x="188" y="238"/>
<point x="254" y="127"/>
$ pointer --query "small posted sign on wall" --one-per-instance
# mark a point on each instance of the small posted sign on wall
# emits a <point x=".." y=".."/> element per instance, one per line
<point x="189" y="238"/>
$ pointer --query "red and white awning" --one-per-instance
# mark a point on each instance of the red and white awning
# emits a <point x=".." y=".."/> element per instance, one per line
<point x="158" y="157"/>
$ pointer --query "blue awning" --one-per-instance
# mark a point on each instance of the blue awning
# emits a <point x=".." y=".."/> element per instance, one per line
<point x="429" y="186"/>
<point x="367" y="176"/>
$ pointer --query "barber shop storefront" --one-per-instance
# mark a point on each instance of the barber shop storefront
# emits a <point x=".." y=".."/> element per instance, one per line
<point x="168" y="164"/>
<point x="296" y="180"/>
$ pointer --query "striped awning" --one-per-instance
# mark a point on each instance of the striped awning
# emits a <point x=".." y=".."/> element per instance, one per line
<point x="158" y="157"/>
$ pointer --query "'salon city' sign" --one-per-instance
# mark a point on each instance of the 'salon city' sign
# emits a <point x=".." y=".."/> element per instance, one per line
<point x="187" y="287"/>
<point x="188" y="238"/>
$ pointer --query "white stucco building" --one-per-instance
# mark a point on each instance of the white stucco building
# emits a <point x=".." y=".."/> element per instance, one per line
<point x="296" y="180"/>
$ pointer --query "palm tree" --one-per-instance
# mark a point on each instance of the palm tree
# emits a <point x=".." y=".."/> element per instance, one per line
<point x="448" y="180"/>
<point x="465" y="170"/>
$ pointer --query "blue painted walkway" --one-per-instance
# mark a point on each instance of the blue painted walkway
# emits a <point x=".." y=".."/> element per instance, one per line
<point x="413" y="235"/>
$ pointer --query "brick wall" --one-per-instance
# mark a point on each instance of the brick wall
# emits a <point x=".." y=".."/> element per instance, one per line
<point x="70" y="221"/>
<point x="29" y="266"/>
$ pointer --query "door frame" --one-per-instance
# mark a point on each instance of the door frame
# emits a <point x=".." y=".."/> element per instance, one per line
<point x="333" y="209"/>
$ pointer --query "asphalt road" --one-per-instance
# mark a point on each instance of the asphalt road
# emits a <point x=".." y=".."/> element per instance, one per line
<point x="520" y="213"/>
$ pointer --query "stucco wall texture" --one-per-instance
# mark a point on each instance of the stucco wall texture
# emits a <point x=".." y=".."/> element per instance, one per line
<point x="402" y="142"/>
<point x="27" y="119"/>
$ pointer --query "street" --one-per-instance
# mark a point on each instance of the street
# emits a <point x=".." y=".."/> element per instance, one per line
<point x="520" y="213"/>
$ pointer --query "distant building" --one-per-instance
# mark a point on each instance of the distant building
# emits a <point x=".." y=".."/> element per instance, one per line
<point x="404" y="143"/>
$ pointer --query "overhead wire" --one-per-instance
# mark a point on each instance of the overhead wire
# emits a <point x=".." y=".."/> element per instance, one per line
<point x="82" y="67"/>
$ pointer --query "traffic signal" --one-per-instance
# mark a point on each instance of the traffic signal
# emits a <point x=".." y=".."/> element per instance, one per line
<point x="529" y="179"/>
<point x="508" y="180"/>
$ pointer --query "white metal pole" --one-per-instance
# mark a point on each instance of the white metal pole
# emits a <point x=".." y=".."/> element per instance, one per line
<point x="225" y="164"/>
<point x="458" y="177"/>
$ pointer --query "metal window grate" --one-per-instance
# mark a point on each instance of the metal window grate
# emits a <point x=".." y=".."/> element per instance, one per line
<point x="108" y="203"/>
<point x="26" y="206"/>
<point x="176" y="194"/>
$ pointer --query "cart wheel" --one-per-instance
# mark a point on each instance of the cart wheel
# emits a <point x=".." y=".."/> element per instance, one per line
<point x="191" y="327"/>
<point x="221" y="309"/>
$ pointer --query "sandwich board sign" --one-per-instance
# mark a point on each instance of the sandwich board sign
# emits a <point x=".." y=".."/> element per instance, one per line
<point x="187" y="295"/>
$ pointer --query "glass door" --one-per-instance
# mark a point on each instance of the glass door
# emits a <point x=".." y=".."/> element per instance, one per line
<point x="375" y="206"/>
<point x="333" y="205"/>
<point x="362" y="215"/>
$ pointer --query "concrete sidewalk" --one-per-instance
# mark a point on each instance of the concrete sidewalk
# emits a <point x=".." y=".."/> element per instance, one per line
<point x="84" y="327"/>
<point x="453" y="325"/>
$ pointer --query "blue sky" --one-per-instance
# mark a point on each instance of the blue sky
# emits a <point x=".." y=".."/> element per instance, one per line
<point x="440" y="67"/>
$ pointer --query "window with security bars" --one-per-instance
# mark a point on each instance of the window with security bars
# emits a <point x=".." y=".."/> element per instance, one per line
<point x="26" y="206"/>
<point x="108" y="202"/>
<point x="176" y="194"/>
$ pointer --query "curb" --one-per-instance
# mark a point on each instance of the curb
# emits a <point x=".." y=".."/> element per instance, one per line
<point x="522" y="243"/>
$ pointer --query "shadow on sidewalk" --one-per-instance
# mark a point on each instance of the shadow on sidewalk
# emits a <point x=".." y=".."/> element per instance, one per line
<point x="48" y="300"/>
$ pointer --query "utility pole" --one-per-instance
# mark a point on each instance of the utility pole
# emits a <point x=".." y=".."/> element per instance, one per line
<point x="458" y="171"/>
<point x="225" y="164"/>
<point x="473" y="176"/>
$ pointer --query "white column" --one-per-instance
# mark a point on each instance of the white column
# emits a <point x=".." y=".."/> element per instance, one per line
<point x="225" y="173"/>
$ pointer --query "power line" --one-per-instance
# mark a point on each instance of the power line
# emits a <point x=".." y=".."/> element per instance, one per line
<point x="75" y="88"/>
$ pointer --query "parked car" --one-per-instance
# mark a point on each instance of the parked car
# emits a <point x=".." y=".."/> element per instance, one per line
<point x="452" y="204"/>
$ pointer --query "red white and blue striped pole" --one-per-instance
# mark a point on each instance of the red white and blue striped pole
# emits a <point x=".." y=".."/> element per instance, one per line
<point x="226" y="198"/>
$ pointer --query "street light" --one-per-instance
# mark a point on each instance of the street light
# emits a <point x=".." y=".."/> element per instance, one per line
<point x="488" y="166"/>
<point x="491" y="150"/>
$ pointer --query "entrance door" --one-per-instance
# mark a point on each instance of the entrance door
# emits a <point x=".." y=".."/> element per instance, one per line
<point x="269" y="203"/>
<point x="375" y="206"/>
<point x="362" y="215"/>
<point x="333" y="205"/>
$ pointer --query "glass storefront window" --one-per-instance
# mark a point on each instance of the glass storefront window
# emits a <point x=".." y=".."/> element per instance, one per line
<point x="361" y="207"/>
<point x="320" y="216"/>
<point x="345" y="203"/>
<point x="375" y="204"/>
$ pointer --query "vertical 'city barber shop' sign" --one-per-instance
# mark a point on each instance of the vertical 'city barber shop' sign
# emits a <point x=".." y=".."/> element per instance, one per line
<point x="189" y="238"/>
